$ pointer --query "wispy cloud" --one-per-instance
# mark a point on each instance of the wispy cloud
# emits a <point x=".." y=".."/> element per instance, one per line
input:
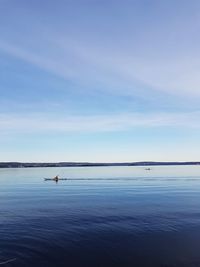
<point x="111" y="58"/>
<point x="41" y="123"/>
<point x="153" y="66"/>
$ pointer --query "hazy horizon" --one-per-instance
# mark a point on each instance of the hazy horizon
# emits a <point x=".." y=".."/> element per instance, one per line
<point x="100" y="162"/>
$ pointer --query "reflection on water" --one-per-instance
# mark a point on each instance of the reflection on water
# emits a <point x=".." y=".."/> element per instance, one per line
<point x="100" y="216"/>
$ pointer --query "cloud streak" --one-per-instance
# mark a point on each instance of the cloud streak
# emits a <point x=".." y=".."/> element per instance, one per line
<point x="156" y="60"/>
<point x="134" y="64"/>
<point x="41" y="123"/>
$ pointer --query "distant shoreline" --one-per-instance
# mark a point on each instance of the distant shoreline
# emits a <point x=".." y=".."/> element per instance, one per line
<point x="90" y="164"/>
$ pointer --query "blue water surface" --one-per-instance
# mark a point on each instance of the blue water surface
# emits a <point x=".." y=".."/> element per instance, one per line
<point x="100" y="217"/>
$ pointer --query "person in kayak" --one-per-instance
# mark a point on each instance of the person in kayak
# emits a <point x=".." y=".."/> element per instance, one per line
<point x="56" y="178"/>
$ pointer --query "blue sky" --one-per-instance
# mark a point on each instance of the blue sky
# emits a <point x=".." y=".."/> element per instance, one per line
<point x="93" y="80"/>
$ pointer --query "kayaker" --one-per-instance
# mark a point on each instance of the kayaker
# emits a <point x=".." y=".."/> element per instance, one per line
<point x="56" y="178"/>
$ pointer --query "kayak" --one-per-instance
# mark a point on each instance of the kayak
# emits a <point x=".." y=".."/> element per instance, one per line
<point x="52" y="179"/>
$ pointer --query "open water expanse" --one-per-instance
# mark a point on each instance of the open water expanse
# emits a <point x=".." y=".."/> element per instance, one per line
<point x="100" y="217"/>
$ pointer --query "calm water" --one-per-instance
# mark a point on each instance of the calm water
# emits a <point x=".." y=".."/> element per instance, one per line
<point x="101" y="217"/>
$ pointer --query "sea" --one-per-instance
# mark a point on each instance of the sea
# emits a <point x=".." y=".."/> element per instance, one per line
<point x="100" y="217"/>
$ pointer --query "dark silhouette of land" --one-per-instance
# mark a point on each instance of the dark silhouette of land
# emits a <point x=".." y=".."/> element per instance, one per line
<point x="90" y="164"/>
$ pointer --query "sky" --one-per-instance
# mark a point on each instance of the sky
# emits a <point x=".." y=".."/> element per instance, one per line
<point x="99" y="80"/>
